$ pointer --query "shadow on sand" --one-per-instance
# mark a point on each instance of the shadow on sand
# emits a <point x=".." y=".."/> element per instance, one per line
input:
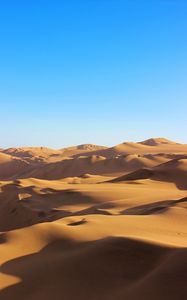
<point x="111" y="268"/>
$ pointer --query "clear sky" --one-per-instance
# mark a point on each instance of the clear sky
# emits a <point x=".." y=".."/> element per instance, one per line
<point x="92" y="71"/>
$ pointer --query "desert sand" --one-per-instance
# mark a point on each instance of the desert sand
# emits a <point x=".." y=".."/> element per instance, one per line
<point x="92" y="222"/>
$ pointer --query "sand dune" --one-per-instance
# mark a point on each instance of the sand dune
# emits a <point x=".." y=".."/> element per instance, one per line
<point x="11" y="167"/>
<point x="173" y="171"/>
<point x="46" y="155"/>
<point x="104" y="262"/>
<point x="158" y="142"/>
<point x="154" y="146"/>
<point x="29" y="152"/>
<point x="81" y="149"/>
<point x="89" y="222"/>
<point x="36" y="154"/>
<point x="96" y="165"/>
<point x="149" y="146"/>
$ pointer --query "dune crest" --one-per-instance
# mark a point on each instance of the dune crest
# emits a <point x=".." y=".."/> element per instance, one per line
<point x="94" y="222"/>
<point x="157" y="141"/>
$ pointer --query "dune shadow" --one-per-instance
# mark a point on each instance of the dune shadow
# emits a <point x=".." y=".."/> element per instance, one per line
<point x="3" y="238"/>
<point x="153" y="208"/>
<point x="81" y="222"/>
<point x="181" y="184"/>
<point x="98" y="209"/>
<point x="66" y="269"/>
<point x="51" y="198"/>
<point x="179" y="178"/>
<point x="92" y="211"/>
<point x="41" y="207"/>
<point x="48" y="205"/>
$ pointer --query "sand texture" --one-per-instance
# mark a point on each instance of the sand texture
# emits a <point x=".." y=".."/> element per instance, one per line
<point x="91" y="222"/>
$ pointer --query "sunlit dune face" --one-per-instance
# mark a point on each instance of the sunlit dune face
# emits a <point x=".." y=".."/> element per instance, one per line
<point x="113" y="218"/>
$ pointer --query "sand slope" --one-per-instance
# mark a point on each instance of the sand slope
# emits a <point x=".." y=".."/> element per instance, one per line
<point x="173" y="171"/>
<point x="96" y="165"/>
<point x="11" y="167"/>
<point x="154" y="146"/>
<point x="79" y="225"/>
<point x="44" y="154"/>
<point x="81" y="149"/>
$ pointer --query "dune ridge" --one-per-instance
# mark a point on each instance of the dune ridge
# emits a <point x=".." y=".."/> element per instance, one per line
<point x="94" y="222"/>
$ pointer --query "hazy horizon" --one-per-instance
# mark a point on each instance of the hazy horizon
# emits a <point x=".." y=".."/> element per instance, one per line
<point x="107" y="145"/>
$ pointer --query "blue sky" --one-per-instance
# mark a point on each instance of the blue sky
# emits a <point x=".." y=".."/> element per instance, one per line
<point x="92" y="71"/>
